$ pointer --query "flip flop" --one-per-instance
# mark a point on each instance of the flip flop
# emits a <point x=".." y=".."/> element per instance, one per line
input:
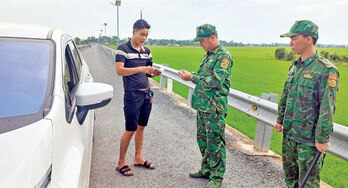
<point x="147" y="164"/>
<point x="124" y="170"/>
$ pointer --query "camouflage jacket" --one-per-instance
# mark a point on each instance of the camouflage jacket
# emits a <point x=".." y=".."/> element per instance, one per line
<point x="307" y="104"/>
<point x="212" y="81"/>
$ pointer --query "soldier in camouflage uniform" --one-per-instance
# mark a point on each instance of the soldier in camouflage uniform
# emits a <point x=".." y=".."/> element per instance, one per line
<point x="210" y="100"/>
<point x="306" y="107"/>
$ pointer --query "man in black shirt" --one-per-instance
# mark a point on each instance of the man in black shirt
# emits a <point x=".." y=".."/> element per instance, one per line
<point x="134" y="64"/>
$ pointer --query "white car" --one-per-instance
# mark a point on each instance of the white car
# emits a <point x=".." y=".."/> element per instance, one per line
<point x="47" y="97"/>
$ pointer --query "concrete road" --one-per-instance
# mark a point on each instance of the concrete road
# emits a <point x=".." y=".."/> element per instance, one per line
<point x="170" y="143"/>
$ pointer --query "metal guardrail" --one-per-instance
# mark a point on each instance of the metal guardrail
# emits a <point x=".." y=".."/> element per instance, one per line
<point x="263" y="109"/>
<point x="80" y="47"/>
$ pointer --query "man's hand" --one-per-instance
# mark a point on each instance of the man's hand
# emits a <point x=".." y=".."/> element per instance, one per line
<point x="278" y="127"/>
<point x="322" y="147"/>
<point x="185" y="75"/>
<point x="147" y="70"/>
<point x="157" y="72"/>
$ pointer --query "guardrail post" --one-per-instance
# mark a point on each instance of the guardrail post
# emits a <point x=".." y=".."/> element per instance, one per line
<point x="189" y="97"/>
<point x="163" y="81"/>
<point x="264" y="131"/>
<point x="169" y="85"/>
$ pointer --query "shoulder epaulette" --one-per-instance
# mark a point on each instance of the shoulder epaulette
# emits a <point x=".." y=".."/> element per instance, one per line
<point x="326" y="62"/>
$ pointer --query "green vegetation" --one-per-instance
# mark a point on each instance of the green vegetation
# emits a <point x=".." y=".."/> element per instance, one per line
<point x="113" y="46"/>
<point x="288" y="55"/>
<point x="255" y="71"/>
<point x="339" y="56"/>
<point x="282" y="54"/>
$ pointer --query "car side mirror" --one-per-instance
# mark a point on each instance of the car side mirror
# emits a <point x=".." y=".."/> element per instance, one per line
<point x="90" y="96"/>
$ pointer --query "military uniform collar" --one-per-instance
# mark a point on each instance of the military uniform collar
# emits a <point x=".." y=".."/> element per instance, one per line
<point x="215" y="50"/>
<point x="309" y="60"/>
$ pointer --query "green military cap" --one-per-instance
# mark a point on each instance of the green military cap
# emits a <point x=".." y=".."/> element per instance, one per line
<point x="205" y="31"/>
<point x="303" y="27"/>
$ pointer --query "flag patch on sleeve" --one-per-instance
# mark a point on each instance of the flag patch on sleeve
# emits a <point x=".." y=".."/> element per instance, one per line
<point x="332" y="80"/>
<point x="224" y="63"/>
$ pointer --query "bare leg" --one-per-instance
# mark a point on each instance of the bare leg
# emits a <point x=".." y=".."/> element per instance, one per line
<point x="126" y="137"/>
<point x="139" y="140"/>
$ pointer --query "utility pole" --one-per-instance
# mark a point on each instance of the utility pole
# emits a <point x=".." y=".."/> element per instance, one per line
<point x="117" y="4"/>
<point x="105" y="24"/>
<point x="100" y="34"/>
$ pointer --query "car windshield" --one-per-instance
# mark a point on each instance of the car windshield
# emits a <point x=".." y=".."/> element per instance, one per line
<point x="24" y="69"/>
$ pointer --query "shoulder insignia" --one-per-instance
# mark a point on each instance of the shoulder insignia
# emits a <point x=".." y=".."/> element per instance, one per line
<point x="327" y="63"/>
<point x="332" y="80"/>
<point x="224" y="63"/>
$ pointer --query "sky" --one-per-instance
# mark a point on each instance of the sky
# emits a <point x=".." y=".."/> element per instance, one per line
<point x="246" y="21"/>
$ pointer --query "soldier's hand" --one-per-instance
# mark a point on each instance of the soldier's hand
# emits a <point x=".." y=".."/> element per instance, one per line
<point x="185" y="75"/>
<point x="181" y="72"/>
<point x="322" y="147"/>
<point x="278" y="127"/>
<point x="148" y="69"/>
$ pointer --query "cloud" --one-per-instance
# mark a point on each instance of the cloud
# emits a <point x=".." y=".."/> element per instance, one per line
<point x="235" y="19"/>
<point x="26" y="2"/>
<point x="323" y="6"/>
<point x="268" y="1"/>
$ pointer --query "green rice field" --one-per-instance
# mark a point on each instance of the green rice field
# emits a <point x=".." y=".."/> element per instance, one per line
<point x="255" y="71"/>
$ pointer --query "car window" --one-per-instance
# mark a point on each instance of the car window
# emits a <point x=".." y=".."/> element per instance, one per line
<point x="76" y="57"/>
<point x="71" y="83"/>
<point x="71" y="79"/>
<point x="24" y="75"/>
<point x="67" y="77"/>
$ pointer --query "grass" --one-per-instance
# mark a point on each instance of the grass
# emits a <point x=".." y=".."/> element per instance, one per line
<point x="256" y="72"/>
<point x="113" y="46"/>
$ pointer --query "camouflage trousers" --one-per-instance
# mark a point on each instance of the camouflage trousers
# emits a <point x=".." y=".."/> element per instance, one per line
<point x="211" y="142"/>
<point x="297" y="159"/>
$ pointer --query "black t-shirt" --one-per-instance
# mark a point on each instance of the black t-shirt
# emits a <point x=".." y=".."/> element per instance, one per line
<point x="132" y="58"/>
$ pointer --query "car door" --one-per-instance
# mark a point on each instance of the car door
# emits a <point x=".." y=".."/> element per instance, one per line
<point x="72" y="139"/>
<point x="25" y="99"/>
